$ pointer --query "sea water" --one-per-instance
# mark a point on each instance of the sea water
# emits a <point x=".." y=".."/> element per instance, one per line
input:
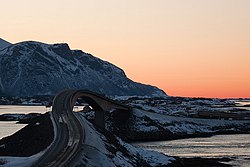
<point x="8" y="128"/>
<point x="232" y="146"/>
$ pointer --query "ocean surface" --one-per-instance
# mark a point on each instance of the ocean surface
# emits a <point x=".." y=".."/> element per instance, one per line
<point x="9" y="127"/>
<point x="233" y="146"/>
<point x="18" y="109"/>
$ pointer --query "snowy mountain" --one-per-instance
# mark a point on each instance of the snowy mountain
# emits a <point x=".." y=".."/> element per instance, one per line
<point x="34" y="68"/>
<point x="4" y="44"/>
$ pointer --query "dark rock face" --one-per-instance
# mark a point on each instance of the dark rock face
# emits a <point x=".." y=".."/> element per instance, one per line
<point x="132" y="127"/>
<point x="200" y="162"/>
<point x="31" y="139"/>
<point x="21" y="118"/>
<point x="33" y="68"/>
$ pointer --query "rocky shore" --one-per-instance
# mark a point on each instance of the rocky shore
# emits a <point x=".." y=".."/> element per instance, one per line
<point x="23" y="144"/>
<point x="20" y="118"/>
<point x="201" y="162"/>
<point x="33" y="138"/>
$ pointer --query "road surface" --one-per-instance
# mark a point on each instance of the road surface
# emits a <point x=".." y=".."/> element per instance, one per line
<point x="68" y="134"/>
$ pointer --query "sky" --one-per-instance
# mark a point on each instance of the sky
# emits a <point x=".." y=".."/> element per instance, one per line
<point x="194" y="48"/>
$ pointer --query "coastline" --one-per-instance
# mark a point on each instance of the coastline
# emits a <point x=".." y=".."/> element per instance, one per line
<point x="180" y="161"/>
<point x="150" y="126"/>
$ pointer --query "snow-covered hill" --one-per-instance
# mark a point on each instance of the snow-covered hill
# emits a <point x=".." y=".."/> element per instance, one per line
<point x="145" y="125"/>
<point x="4" y="44"/>
<point x="100" y="148"/>
<point x="34" y="68"/>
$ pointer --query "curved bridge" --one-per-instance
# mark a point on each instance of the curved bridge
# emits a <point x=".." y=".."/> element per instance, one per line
<point x="99" y="103"/>
<point x="66" y="147"/>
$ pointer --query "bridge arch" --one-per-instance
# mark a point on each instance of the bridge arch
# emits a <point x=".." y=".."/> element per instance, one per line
<point x="100" y="104"/>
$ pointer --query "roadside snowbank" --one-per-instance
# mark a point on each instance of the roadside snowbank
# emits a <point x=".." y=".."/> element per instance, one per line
<point x="20" y="161"/>
<point x="101" y="148"/>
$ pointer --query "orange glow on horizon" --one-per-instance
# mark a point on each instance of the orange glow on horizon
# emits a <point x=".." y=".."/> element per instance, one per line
<point x="187" y="48"/>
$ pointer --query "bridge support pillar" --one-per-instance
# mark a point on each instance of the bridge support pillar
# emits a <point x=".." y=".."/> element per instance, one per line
<point x="100" y="119"/>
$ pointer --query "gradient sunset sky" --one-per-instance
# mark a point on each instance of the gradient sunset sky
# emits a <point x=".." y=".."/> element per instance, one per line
<point x="197" y="48"/>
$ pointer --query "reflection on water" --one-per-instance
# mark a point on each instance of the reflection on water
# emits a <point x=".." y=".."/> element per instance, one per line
<point x="220" y="145"/>
<point x="10" y="109"/>
<point x="217" y="146"/>
<point x="9" y="127"/>
<point x="242" y="103"/>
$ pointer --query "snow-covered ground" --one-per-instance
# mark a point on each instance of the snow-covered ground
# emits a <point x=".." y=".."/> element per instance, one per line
<point x="101" y="148"/>
<point x="105" y="149"/>
<point x="180" y="124"/>
<point x="184" y="107"/>
<point x="20" y="161"/>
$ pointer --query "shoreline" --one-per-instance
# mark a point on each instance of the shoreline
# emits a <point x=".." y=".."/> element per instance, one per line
<point x="196" y="161"/>
<point x="199" y="161"/>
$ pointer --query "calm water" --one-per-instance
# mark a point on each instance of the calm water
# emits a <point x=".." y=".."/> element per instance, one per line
<point x="11" y="109"/>
<point x="237" y="146"/>
<point x="9" y="127"/>
<point x="246" y="102"/>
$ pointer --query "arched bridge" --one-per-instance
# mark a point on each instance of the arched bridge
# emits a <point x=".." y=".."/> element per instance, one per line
<point x="69" y="139"/>
<point x="99" y="103"/>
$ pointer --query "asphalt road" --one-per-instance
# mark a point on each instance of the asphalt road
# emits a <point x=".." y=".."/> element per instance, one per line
<point x="68" y="133"/>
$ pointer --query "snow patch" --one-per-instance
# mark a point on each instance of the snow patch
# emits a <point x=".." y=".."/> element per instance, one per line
<point x="20" y="161"/>
<point x="180" y="124"/>
<point x="154" y="158"/>
<point x="97" y="153"/>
